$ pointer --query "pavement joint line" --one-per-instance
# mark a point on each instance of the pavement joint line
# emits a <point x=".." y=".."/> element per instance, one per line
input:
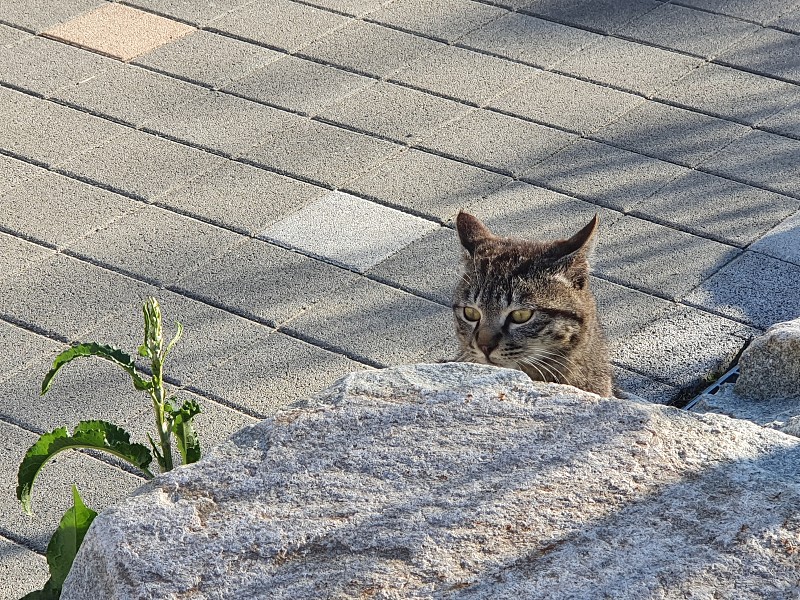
<point x="9" y="535"/>
<point x="287" y="329"/>
<point x="731" y="65"/>
<point x="720" y="14"/>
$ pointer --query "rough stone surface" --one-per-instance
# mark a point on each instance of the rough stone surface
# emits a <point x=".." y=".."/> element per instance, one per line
<point x="462" y="481"/>
<point x="770" y="366"/>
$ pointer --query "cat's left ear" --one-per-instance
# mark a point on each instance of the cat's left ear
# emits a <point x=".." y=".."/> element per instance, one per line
<point x="575" y="253"/>
<point x="471" y="231"/>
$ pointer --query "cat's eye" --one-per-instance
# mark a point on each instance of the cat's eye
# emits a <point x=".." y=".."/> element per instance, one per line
<point x="471" y="314"/>
<point x="521" y="316"/>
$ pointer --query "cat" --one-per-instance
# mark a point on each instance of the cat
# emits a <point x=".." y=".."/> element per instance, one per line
<point x="527" y="305"/>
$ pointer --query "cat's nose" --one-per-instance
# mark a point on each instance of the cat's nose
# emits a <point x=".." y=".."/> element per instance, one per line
<point x="487" y="348"/>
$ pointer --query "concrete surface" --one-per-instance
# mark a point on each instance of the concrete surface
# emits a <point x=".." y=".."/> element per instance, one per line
<point x="679" y="123"/>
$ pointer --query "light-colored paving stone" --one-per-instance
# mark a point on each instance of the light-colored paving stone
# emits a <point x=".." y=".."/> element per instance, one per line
<point x="446" y="20"/>
<point x="327" y="229"/>
<point x="10" y="36"/>
<point x="17" y="255"/>
<point x="604" y="174"/>
<point x="197" y="12"/>
<point x="24" y="570"/>
<point x="717" y="208"/>
<point x="298" y="85"/>
<point x="645" y="387"/>
<point x="629" y="66"/>
<point x="38" y="15"/>
<point x="782" y="241"/>
<point x="356" y="8"/>
<point x="789" y="21"/>
<point x="118" y="31"/>
<point x="497" y="141"/>
<point x="20" y="348"/>
<point x="596" y="15"/>
<point x="786" y="122"/>
<point x="761" y="12"/>
<point x="17" y="173"/>
<point x="561" y="101"/>
<point x="370" y="48"/>
<point x="208" y="58"/>
<point x="767" y="51"/>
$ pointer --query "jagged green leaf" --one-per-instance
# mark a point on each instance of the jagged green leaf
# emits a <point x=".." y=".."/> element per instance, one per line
<point x="114" y="355"/>
<point x="185" y="435"/>
<point x="67" y="539"/>
<point x="98" y="435"/>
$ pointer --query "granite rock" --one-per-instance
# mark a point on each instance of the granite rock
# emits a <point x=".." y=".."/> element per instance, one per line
<point x="770" y="366"/>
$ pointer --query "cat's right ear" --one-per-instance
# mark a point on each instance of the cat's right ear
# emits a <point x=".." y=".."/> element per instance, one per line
<point x="471" y="231"/>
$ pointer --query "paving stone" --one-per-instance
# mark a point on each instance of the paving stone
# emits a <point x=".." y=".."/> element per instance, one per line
<point x="65" y="297"/>
<point x="196" y="12"/>
<point x="44" y="66"/>
<point x="762" y="159"/>
<point x="298" y="85"/>
<point x="761" y="12"/>
<point x="393" y="112"/>
<point x="82" y="209"/>
<point x="10" y="36"/>
<point x="263" y="282"/>
<point x="156" y="244"/>
<point x="16" y="173"/>
<point x="320" y="152"/>
<point x="208" y="58"/>
<point x="646" y="388"/>
<point x="427" y="184"/>
<point x="355" y="8"/>
<point x="26" y="570"/>
<point x="369" y="48"/>
<point x="656" y="259"/>
<point x="672" y="133"/>
<point x="280" y="24"/>
<point x="497" y="141"/>
<point x="755" y="288"/>
<point x="717" y="208"/>
<point x="271" y="376"/>
<point x="326" y="229"/>
<point x="17" y="255"/>
<point x="48" y="133"/>
<point x="220" y="122"/>
<point x="604" y="174"/>
<point x="693" y="31"/>
<point x="510" y="36"/>
<point x="561" y="101"/>
<point x="130" y="94"/>
<point x="241" y="197"/>
<point x="403" y="328"/>
<point x="731" y="94"/>
<point x="446" y="20"/>
<point x="20" y="347"/>
<point x="782" y="241"/>
<point x="768" y="51"/>
<point x="141" y="164"/>
<point x="630" y="66"/>
<point x="790" y="21"/>
<point x="463" y="74"/>
<point x="786" y="122"/>
<point x="624" y="311"/>
<point x="118" y="31"/>
<point x="598" y="15"/>
<point x="38" y="15"/>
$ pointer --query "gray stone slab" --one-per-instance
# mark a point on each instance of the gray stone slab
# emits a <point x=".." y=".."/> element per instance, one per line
<point x="762" y="159"/>
<point x="369" y="48"/>
<point x="782" y="241"/>
<point x="599" y="15"/>
<point x="497" y="141"/>
<point x="562" y="101"/>
<point x="394" y="112"/>
<point x="264" y="282"/>
<point x="99" y="484"/>
<point x="141" y="164"/>
<point x="17" y="255"/>
<point x="767" y="51"/>
<point x="20" y="348"/>
<point x="207" y="58"/>
<point x="731" y="93"/>
<point x="130" y="94"/>
<point x="510" y="37"/>
<point x="403" y="328"/>
<point x="298" y="85"/>
<point x="274" y="374"/>
<point x="22" y="571"/>
<point x="66" y="297"/>
<point x="280" y="24"/>
<point x="156" y="245"/>
<point x="82" y="209"/>
<point x="446" y="20"/>
<point x="355" y="8"/>
<point x="196" y="12"/>
<point x="38" y="15"/>
<point x="790" y="21"/>
<point x="59" y="133"/>
<point x="604" y="174"/>
<point x="688" y="30"/>
<point x="241" y="197"/>
<point x="755" y="288"/>
<point x="630" y="66"/>
<point x="320" y="152"/>
<point x="624" y="311"/>
<point x="464" y="74"/>
<point x="656" y="259"/>
<point x="646" y="388"/>
<point x="220" y="122"/>
<point x="672" y="133"/>
<point x="326" y="229"/>
<point x="17" y="173"/>
<point x="10" y="36"/>
<point x="717" y="208"/>
<point x="44" y="66"/>
<point x="786" y="122"/>
<point x="427" y="184"/>
<point x="761" y="12"/>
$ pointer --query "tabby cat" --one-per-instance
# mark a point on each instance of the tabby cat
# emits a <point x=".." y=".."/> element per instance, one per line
<point x="527" y="305"/>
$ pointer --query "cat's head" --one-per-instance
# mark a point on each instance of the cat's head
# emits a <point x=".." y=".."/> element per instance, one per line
<point x="523" y="304"/>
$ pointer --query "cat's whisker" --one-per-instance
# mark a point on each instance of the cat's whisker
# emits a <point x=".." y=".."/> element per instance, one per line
<point x="532" y="365"/>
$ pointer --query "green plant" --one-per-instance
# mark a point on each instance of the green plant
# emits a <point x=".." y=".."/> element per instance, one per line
<point x="107" y="437"/>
